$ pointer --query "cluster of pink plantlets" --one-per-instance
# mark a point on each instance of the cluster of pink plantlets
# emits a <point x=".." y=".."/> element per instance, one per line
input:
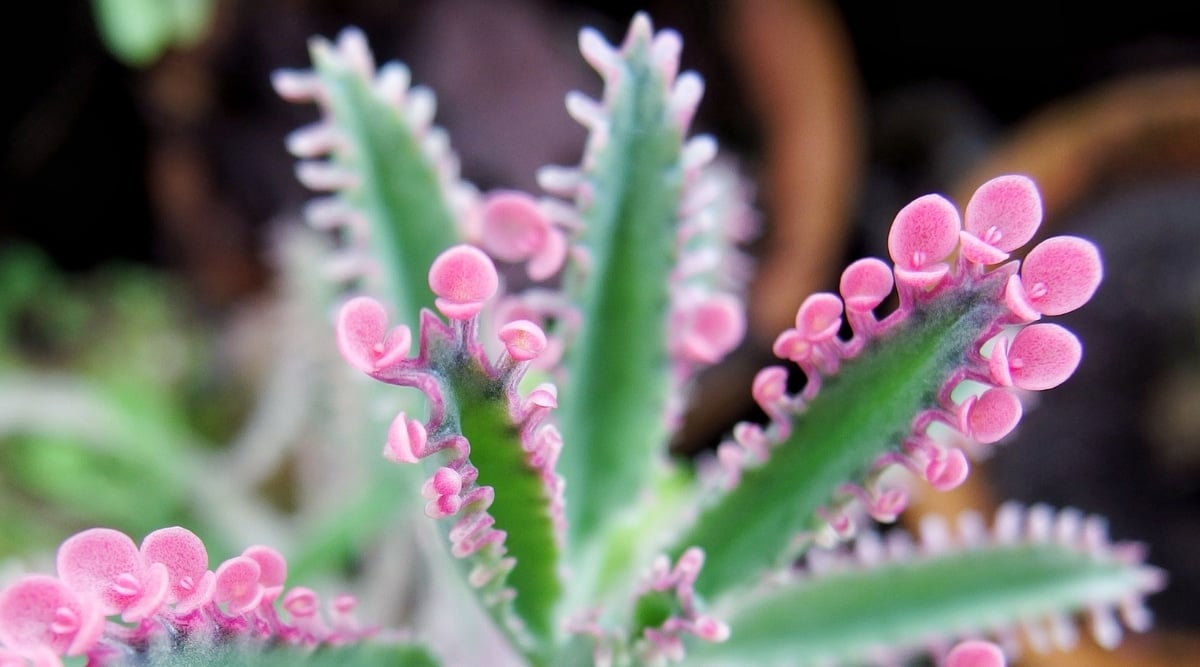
<point x="939" y="257"/>
<point x="464" y="279"/>
<point x="112" y="600"/>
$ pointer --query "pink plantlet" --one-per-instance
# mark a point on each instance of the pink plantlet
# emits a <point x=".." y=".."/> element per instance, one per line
<point x="442" y="490"/>
<point x="463" y="278"/>
<point x="1040" y="356"/>
<point x="975" y="653"/>
<point x="523" y="340"/>
<point x="186" y="560"/>
<point x="819" y="317"/>
<point x="1001" y="216"/>
<point x="665" y="640"/>
<point x="1059" y="275"/>
<point x="272" y="567"/>
<point x="709" y="327"/>
<point x="947" y="470"/>
<point x="406" y="441"/>
<point x="302" y="605"/>
<point x="514" y="228"/>
<point x="106" y="564"/>
<point x="923" y="234"/>
<point x="990" y="416"/>
<point x="865" y="284"/>
<point x="238" y="585"/>
<point x="363" y="337"/>
<point x="41" y="615"/>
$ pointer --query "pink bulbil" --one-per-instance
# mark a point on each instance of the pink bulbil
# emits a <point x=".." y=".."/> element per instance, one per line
<point x="924" y="234"/>
<point x="463" y="278"/>
<point x="1001" y="216"/>
<point x="975" y="653"/>
<point x="514" y="228"/>
<point x="106" y="564"/>
<point x="363" y="338"/>
<point x="41" y="615"/>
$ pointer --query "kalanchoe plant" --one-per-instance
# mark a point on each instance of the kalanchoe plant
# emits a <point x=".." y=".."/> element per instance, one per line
<point x="542" y="416"/>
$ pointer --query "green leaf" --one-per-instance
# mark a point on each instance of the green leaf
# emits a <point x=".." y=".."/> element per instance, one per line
<point x="863" y="411"/>
<point x="613" y="405"/>
<point x="845" y="615"/>
<point x="477" y="408"/>
<point x="409" y="219"/>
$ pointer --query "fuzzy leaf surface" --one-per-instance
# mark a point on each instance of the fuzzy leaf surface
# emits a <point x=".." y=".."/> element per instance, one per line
<point x="613" y="404"/>
<point x="858" y="415"/>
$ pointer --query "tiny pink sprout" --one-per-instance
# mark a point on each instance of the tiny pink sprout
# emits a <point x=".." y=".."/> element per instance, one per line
<point x="975" y="653"/>
<point x="406" y="440"/>
<point x="300" y="602"/>
<point x="689" y="564"/>
<point x="105" y="563"/>
<point x="1040" y="356"/>
<point x="238" y="585"/>
<point x="865" y="284"/>
<point x="363" y="338"/>
<point x="948" y="470"/>
<point x="515" y="228"/>
<point x="272" y="565"/>
<point x="791" y="344"/>
<point x="344" y="603"/>
<point x="819" y="317"/>
<point x="39" y="613"/>
<point x="1059" y="275"/>
<point x="186" y="560"/>
<point x="545" y="395"/>
<point x="463" y="278"/>
<point x="442" y="490"/>
<point x="888" y="505"/>
<point x="770" y="385"/>
<point x="711" y="630"/>
<point x="924" y="233"/>
<point x="523" y="340"/>
<point x="1001" y="216"/>
<point x="990" y="416"/>
<point x="445" y="482"/>
<point x="713" y="327"/>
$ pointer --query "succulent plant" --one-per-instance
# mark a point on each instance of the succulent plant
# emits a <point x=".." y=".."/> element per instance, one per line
<point x="542" y="415"/>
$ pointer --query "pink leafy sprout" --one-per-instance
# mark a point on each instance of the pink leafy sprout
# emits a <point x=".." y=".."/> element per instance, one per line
<point x="159" y="593"/>
<point x="939" y="258"/>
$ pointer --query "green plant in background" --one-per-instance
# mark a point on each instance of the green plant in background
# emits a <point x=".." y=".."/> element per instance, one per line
<point x="537" y="437"/>
<point x="138" y="32"/>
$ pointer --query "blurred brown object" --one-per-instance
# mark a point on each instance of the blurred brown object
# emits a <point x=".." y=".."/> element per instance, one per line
<point x="1117" y="134"/>
<point x="795" y="62"/>
<point x="1135" y="128"/>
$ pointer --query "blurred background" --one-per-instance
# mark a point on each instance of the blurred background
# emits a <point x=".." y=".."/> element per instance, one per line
<point x="145" y="195"/>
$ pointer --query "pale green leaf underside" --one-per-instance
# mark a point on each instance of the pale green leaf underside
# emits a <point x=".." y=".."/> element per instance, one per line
<point x="846" y="615"/>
